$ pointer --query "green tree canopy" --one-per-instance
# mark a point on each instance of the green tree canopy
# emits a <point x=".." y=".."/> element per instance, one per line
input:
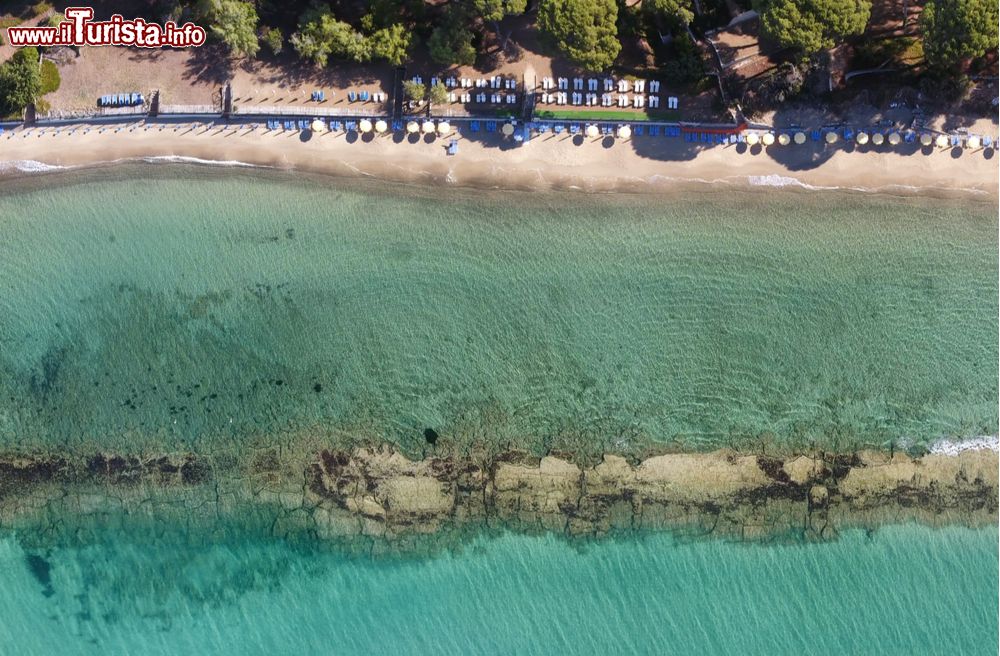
<point x="451" y="41"/>
<point x="958" y="29"/>
<point x="271" y="37"/>
<point x="234" y="23"/>
<point x="812" y="25"/>
<point x="437" y="94"/>
<point x="414" y="90"/>
<point x="496" y="10"/>
<point x="321" y="35"/>
<point x="583" y="29"/>
<point x="20" y="81"/>
<point x="679" y="10"/>
<point x="391" y="43"/>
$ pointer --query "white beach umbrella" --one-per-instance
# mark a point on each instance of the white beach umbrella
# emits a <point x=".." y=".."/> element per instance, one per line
<point x="926" y="139"/>
<point x="878" y="138"/>
<point x="624" y="132"/>
<point x="318" y="125"/>
<point x="507" y="129"/>
<point x="767" y="139"/>
<point x="592" y="131"/>
<point x="800" y="138"/>
<point x="752" y="138"/>
<point x="894" y="138"/>
<point x="972" y="142"/>
<point x="381" y="126"/>
<point x="412" y="127"/>
<point x="427" y="127"/>
<point x="941" y="141"/>
<point x="784" y="139"/>
<point x="831" y="137"/>
<point x="365" y="125"/>
<point x="443" y="128"/>
<point x="862" y="138"/>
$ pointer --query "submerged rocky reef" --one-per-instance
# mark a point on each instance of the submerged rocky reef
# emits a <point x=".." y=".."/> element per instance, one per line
<point x="376" y="501"/>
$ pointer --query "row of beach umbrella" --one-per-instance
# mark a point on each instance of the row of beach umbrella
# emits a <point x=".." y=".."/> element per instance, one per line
<point x="862" y="138"/>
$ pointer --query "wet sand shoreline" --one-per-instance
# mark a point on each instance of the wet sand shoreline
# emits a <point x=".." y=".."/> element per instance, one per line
<point x="642" y="164"/>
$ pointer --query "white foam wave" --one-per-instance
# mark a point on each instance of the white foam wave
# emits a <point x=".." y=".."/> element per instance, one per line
<point x="182" y="159"/>
<point x="28" y="166"/>
<point x="954" y="447"/>
<point x="775" y="180"/>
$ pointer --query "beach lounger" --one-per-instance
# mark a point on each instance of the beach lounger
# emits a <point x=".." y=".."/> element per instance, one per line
<point x="542" y="128"/>
<point x="491" y="126"/>
<point x="335" y="125"/>
<point x="397" y="126"/>
<point x="956" y="140"/>
<point x="637" y="130"/>
<point x="558" y="129"/>
<point x="351" y="96"/>
<point x="654" y="130"/>
<point x="740" y="138"/>
<point x="909" y="136"/>
<point x="452" y="147"/>
<point x="350" y="126"/>
<point x="848" y="134"/>
<point x="987" y="141"/>
<point x="474" y="126"/>
<point x="363" y="96"/>
<point x="121" y="100"/>
<point x="815" y="135"/>
<point x="574" y="129"/>
<point x="289" y="125"/>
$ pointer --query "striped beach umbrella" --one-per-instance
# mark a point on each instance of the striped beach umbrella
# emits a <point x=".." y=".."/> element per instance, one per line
<point x="365" y="125"/>
<point x="941" y="141"/>
<point x="444" y="128"/>
<point x="381" y="126"/>
<point x="894" y="138"/>
<point x="592" y="131"/>
<point x="624" y="132"/>
<point x="768" y="138"/>
<point x="800" y="138"/>
<point x="926" y="139"/>
<point x="878" y="138"/>
<point x="412" y="127"/>
<point x="862" y="138"/>
<point x="831" y="137"/>
<point x="784" y="139"/>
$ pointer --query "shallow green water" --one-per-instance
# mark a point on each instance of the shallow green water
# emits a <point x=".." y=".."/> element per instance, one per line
<point x="193" y="306"/>
<point x="903" y="590"/>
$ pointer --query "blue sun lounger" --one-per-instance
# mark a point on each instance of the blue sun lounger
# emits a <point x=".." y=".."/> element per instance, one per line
<point x="848" y="134"/>
<point x="574" y="129"/>
<point x="491" y="126"/>
<point x="638" y="130"/>
<point x="654" y="130"/>
<point x="363" y="96"/>
<point x="558" y="129"/>
<point x="474" y="126"/>
<point x="815" y="135"/>
<point x="741" y="138"/>
<point x="351" y="96"/>
<point x="987" y="142"/>
<point x="350" y="126"/>
<point x="956" y="140"/>
<point x="542" y="128"/>
<point x="452" y="147"/>
<point x="335" y="125"/>
<point x="909" y="136"/>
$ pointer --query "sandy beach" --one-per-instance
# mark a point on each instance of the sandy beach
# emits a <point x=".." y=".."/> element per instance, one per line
<point x="548" y="161"/>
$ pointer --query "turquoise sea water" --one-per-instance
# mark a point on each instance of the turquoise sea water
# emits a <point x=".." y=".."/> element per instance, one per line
<point x="903" y="590"/>
<point x="191" y="306"/>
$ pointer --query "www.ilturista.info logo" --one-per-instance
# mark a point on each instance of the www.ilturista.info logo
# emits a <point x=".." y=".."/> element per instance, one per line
<point x="78" y="30"/>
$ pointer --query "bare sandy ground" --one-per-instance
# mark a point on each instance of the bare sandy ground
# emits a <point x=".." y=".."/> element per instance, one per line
<point x="640" y="164"/>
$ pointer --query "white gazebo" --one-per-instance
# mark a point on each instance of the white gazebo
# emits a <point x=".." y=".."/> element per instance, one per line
<point x="427" y="127"/>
